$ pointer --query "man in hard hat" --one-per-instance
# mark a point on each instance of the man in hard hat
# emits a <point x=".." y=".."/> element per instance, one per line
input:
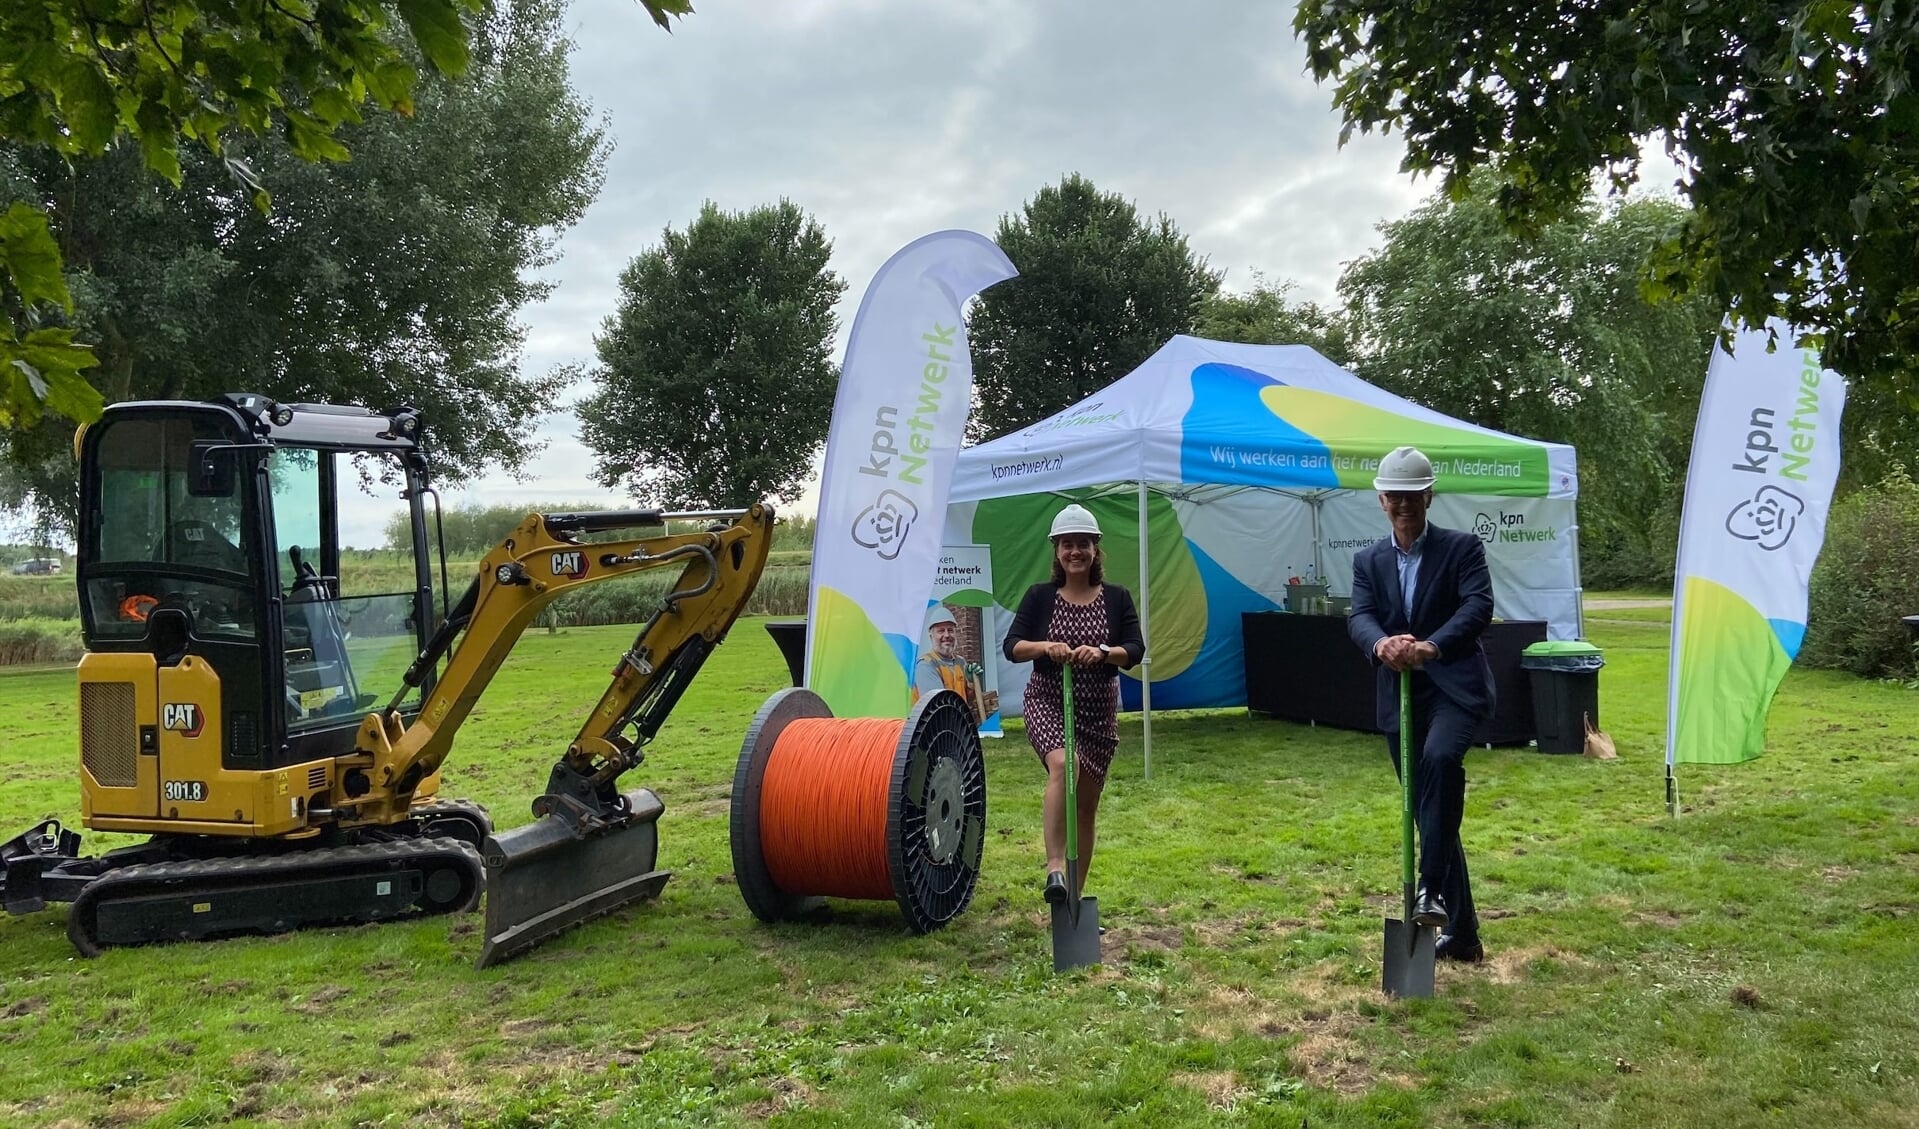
<point x="942" y="667"/>
<point x="1421" y="597"/>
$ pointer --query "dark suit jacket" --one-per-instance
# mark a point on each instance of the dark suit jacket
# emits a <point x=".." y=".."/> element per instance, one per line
<point x="1452" y="604"/>
<point x="1034" y="620"/>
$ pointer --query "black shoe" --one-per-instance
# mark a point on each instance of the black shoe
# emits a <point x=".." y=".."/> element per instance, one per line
<point x="1056" y="888"/>
<point x="1450" y="947"/>
<point x="1429" y="909"/>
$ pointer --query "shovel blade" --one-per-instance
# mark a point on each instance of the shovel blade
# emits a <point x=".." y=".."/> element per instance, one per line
<point x="1075" y="936"/>
<point x="1408" y="967"/>
<point x="545" y="878"/>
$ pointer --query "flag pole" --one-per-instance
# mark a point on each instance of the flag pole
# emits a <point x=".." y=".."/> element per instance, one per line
<point x="1700" y="424"/>
<point x="1145" y="632"/>
<point x="1672" y="668"/>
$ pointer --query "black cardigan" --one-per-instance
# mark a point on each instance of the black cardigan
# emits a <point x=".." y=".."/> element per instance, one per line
<point x="1034" y="620"/>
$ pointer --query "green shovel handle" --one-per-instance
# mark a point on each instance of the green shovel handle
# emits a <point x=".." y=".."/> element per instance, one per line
<point x="1072" y="769"/>
<point x="1406" y="777"/>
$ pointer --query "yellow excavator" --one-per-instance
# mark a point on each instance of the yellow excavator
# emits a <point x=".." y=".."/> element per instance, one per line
<point x="276" y="724"/>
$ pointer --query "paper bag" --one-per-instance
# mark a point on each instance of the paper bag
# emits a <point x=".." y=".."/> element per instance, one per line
<point x="1598" y="745"/>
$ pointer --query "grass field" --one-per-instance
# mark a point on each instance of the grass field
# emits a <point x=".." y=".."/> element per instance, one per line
<point x="1750" y="963"/>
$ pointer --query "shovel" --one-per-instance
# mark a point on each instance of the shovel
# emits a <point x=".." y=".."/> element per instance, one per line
<point x="1408" y="967"/>
<point x="1075" y="920"/>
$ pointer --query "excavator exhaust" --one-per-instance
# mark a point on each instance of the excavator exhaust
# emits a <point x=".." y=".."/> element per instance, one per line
<point x="562" y="870"/>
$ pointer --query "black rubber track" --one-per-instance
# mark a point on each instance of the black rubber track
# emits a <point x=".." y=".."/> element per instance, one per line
<point x="451" y="879"/>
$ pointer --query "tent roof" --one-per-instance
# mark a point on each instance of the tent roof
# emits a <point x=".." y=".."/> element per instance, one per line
<point x="1275" y="416"/>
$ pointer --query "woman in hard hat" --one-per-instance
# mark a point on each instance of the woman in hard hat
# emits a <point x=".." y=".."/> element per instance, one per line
<point x="1077" y="618"/>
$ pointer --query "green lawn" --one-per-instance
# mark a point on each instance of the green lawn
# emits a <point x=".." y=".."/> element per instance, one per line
<point x="1646" y="593"/>
<point x="1751" y="963"/>
<point x="1661" y="616"/>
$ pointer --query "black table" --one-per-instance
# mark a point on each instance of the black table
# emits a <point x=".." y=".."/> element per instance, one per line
<point x="1305" y="668"/>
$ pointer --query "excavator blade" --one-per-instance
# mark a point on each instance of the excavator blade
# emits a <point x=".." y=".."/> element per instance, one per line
<point x="548" y="876"/>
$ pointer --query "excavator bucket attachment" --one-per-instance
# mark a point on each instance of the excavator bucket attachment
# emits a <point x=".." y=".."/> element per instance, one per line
<point x="553" y="874"/>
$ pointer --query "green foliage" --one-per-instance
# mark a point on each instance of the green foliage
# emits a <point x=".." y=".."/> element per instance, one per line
<point x="39" y="597"/>
<point x="781" y="591"/>
<point x="471" y="530"/>
<point x="715" y="383"/>
<point x="391" y="279"/>
<point x="40" y="365"/>
<point x="162" y="71"/>
<point x="1265" y="316"/>
<point x="78" y="79"/>
<point x="32" y="641"/>
<point x="1547" y="336"/>
<point x="1099" y="289"/>
<point x="1865" y="581"/>
<point x="795" y="534"/>
<point x="1621" y="549"/>
<point x="1796" y="124"/>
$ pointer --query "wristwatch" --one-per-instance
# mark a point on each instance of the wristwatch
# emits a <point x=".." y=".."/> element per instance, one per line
<point x="1105" y="651"/>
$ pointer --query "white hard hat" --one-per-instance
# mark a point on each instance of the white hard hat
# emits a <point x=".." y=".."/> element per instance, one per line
<point x="1405" y="469"/>
<point x="1074" y="519"/>
<point x="940" y="615"/>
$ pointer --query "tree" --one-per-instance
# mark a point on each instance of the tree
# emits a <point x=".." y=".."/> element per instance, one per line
<point x="1547" y="337"/>
<point x="1796" y="124"/>
<point x="1099" y="289"/>
<point x="716" y="380"/>
<point x="390" y="279"/>
<point x="79" y="78"/>
<point x="1265" y="316"/>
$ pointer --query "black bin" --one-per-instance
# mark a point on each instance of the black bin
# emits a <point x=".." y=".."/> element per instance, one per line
<point x="791" y="636"/>
<point x="1565" y="683"/>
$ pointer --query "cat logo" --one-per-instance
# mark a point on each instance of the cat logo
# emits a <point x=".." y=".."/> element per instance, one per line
<point x="571" y="564"/>
<point x="185" y="717"/>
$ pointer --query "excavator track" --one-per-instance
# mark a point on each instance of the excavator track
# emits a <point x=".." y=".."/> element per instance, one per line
<point x="201" y="898"/>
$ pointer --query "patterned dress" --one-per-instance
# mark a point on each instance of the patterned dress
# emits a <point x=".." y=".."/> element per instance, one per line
<point x="1095" y="693"/>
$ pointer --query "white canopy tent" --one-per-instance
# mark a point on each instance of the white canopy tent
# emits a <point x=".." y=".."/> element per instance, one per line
<point x="1220" y="471"/>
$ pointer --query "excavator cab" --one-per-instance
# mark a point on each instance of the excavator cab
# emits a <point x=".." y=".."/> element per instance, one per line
<point x="215" y="610"/>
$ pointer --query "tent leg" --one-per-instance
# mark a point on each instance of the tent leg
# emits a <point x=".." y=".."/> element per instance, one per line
<point x="1146" y="633"/>
<point x="1319" y="562"/>
<point x="1579" y="591"/>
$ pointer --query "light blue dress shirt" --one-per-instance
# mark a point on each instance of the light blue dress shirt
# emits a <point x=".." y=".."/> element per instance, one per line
<point x="1409" y="570"/>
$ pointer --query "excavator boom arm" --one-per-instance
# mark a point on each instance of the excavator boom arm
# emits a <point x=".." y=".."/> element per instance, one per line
<point x="537" y="563"/>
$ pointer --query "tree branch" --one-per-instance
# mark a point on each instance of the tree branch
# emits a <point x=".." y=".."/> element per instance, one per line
<point x="275" y="4"/>
<point x="93" y="37"/>
<point x="146" y="7"/>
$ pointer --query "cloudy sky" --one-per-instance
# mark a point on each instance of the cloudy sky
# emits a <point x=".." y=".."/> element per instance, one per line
<point x="888" y="119"/>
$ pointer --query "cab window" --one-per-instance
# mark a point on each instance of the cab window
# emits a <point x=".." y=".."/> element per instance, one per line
<point x="162" y="540"/>
<point x="349" y="611"/>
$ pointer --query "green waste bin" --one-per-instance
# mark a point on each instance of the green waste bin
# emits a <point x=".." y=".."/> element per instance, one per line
<point x="1565" y="683"/>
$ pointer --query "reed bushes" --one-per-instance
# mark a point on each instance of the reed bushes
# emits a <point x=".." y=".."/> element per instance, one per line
<point x="38" y="597"/>
<point x="34" y="641"/>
